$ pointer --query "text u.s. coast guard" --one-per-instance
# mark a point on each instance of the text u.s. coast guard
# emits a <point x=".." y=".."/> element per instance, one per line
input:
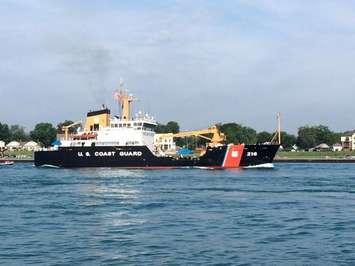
<point x="109" y="153"/>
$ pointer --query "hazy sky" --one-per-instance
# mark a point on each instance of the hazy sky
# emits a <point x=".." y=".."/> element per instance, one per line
<point x="196" y="62"/>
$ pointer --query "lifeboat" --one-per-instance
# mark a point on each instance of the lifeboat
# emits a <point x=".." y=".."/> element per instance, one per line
<point x="85" y="136"/>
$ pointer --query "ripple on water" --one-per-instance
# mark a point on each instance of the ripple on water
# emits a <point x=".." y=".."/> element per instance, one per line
<point x="298" y="214"/>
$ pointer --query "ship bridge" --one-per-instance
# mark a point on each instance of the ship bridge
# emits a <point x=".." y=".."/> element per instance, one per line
<point x="103" y="130"/>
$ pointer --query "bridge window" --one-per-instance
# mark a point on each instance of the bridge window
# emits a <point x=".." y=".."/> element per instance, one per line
<point x="148" y="127"/>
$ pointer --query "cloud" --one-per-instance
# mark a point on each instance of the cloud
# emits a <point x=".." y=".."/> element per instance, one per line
<point x="196" y="62"/>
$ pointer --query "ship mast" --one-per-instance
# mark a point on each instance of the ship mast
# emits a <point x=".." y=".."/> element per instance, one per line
<point x="125" y="100"/>
<point x="277" y="135"/>
<point x="279" y="126"/>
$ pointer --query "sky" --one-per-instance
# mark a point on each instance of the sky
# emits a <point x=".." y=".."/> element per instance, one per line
<point x="195" y="62"/>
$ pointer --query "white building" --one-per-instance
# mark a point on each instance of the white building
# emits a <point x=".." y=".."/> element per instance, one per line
<point x="337" y="147"/>
<point x="31" y="146"/>
<point x="165" y="142"/>
<point x="321" y="147"/>
<point x="13" y="145"/>
<point x="348" y="142"/>
<point x="2" y="144"/>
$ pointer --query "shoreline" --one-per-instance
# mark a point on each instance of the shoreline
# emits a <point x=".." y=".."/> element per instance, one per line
<point x="16" y="160"/>
<point x="313" y="160"/>
<point x="277" y="160"/>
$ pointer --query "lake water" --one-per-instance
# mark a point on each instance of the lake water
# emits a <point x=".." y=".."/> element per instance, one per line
<point x="294" y="214"/>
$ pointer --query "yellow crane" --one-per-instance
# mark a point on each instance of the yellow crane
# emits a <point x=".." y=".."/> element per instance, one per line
<point x="216" y="139"/>
<point x="66" y="129"/>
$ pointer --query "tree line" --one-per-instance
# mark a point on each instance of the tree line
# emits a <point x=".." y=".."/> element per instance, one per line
<point x="307" y="136"/>
<point x="43" y="133"/>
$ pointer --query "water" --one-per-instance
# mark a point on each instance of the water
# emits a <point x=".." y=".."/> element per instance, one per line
<point x="295" y="214"/>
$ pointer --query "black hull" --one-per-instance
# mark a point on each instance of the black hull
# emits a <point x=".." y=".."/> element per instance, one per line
<point x="258" y="154"/>
<point x="227" y="156"/>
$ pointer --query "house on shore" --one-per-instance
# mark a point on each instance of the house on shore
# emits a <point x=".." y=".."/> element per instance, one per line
<point x="14" y="145"/>
<point x="31" y="146"/>
<point x="337" y="147"/>
<point x="321" y="147"/>
<point x="348" y="142"/>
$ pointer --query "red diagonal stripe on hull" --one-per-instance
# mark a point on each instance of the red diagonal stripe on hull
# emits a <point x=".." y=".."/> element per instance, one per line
<point x="234" y="155"/>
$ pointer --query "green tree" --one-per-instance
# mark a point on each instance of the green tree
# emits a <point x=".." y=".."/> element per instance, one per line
<point x="263" y="137"/>
<point x="5" y="133"/>
<point x="170" y="127"/>
<point x="18" y="133"/>
<point x="306" y="137"/>
<point x="236" y="133"/>
<point x="160" y="128"/>
<point x="336" y="137"/>
<point x="288" y="140"/>
<point x="311" y="136"/>
<point x="44" y="133"/>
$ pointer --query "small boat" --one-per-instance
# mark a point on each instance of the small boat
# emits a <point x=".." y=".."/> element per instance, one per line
<point x="7" y="163"/>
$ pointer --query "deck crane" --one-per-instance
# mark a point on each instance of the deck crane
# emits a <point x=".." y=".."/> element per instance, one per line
<point x="216" y="139"/>
<point x="66" y="129"/>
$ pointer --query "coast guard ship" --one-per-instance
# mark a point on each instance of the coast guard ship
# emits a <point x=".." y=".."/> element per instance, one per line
<point x="131" y="142"/>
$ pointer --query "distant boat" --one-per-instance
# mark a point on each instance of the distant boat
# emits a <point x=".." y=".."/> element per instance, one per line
<point x="5" y="163"/>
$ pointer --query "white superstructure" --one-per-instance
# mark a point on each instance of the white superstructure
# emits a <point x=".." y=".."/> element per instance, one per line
<point x="103" y="130"/>
<point x="119" y="133"/>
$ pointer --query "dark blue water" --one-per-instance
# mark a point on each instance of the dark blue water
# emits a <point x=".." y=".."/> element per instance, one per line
<point x="295" y="214"/>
